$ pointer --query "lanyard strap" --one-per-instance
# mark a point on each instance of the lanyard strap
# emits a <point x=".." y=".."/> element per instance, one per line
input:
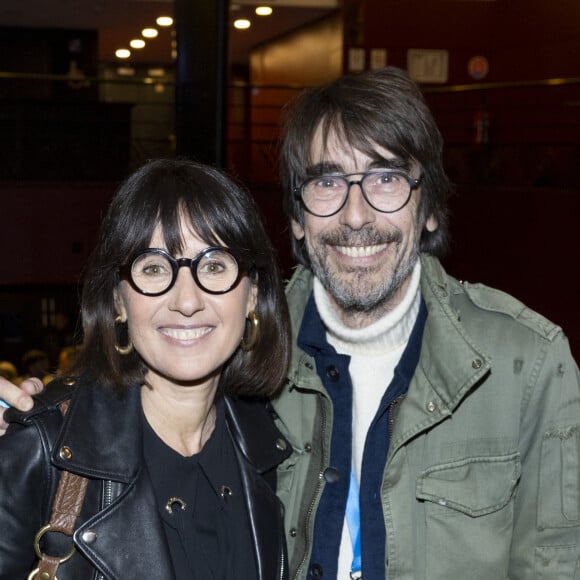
<point x="353" y="523"/>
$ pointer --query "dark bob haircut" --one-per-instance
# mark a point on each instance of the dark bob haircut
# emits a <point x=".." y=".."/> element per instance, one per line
<point x="221" y="213"/>
<point x="382" y="107"/>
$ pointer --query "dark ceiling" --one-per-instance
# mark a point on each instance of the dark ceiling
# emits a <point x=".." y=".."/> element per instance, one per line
<point x="118" y="21"/>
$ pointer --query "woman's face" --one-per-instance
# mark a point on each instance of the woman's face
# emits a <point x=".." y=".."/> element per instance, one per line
<point x="185" y="335"/>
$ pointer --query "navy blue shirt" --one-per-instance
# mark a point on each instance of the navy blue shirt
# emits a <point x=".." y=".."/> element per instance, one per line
<point x="334" y="374"/>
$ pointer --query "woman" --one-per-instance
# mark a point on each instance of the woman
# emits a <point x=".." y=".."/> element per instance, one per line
<point x="185" y="337"/>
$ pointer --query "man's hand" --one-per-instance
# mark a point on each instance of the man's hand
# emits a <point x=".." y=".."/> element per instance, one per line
<point x="18" y="397"/>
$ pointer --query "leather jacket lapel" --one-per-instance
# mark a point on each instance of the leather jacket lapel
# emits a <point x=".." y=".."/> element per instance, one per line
<point x="127" y="539"/>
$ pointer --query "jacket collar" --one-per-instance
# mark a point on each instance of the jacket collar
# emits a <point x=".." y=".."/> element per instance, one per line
<point x="102" y="432"/>
<point x="450" y="361"/>
<point x="450" y="357"/>
<point x="255" y="434"/>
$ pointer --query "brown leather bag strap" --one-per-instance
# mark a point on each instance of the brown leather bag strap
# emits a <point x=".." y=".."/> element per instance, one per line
<point x="66" y="507"/>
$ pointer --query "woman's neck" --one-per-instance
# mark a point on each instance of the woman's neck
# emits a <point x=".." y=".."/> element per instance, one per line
<point x="183" y="417"/>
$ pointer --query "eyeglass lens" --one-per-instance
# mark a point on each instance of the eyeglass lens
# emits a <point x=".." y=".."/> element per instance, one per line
<point x="214" y="271"/>
<point x="386" y="191"/>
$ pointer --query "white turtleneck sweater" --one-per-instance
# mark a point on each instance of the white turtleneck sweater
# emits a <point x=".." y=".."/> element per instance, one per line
<point x="374" y="351"/>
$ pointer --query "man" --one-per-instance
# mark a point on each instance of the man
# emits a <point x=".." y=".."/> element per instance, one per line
<point x="435" y="425"/>
<point x="453" y="408"/>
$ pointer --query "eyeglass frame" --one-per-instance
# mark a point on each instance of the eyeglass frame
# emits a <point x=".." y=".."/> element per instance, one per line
<point x="125" y="271"/>
<point x="413" y="185"/>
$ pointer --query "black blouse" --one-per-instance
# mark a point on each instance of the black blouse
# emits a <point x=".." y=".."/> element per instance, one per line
<point x="202" y="507"/>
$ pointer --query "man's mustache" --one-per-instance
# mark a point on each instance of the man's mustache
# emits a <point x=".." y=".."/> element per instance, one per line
<point x="364" y="237"/>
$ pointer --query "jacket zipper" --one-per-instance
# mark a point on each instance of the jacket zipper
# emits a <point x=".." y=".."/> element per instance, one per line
<point x="282" y="566"/>
<point x="107" y="501"/>
<point x="318" y="487"/>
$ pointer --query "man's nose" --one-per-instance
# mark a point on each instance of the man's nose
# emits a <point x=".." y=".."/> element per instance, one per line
<point x="356" y="212"/>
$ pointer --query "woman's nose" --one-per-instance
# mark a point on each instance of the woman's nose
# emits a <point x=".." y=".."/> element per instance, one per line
<point x="186" y="296"/>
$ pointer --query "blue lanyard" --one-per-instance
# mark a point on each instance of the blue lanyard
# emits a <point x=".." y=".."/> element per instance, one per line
<point x="353" y="523"/>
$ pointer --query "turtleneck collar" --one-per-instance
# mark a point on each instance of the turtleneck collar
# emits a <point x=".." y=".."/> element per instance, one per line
<point x="390" y="332"/>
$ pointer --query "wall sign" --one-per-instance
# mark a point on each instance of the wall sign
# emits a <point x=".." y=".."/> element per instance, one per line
<point x="428" y="66"/>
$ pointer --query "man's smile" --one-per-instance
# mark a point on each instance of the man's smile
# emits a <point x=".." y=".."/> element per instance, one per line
<point x="360" y="251"/>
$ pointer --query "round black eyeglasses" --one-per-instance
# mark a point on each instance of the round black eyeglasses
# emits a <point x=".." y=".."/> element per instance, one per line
<point x="153" y="271"/>
<point x="386" y="191"/>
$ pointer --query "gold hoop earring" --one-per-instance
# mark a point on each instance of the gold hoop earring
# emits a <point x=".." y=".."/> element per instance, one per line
<point x="252" y="336"/>
<point x="128" y="348"/>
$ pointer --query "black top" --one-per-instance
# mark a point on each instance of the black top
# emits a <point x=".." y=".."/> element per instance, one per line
<point x="202" y="507"/>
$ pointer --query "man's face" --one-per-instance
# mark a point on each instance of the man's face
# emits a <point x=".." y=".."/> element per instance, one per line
<point x="363" y="258"/>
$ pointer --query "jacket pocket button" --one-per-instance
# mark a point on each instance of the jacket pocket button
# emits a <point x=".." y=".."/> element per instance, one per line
<point x="89" y="537"/>
<point x="431" y="406"/>
<point x="65" y="452"/>
<point x="281" y="444"/>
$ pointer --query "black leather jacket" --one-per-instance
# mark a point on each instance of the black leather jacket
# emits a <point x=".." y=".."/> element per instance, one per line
<point x="105" y="437"/>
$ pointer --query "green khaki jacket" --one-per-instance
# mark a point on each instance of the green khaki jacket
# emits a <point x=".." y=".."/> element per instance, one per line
<point x="482" y="480"/>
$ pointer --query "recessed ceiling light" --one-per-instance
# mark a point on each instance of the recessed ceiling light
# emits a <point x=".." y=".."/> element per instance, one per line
<point x="263" y="10"/>
<point x="242" y="23"/>
<point x="122" y="53"/>
<point x="137" y="43"/>
<point x="164" y="21"/>
<point x="150" y="32"/>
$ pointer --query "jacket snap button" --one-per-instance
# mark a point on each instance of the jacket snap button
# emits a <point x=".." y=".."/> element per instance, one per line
<point x="476" y="364"/>
<point x="308" y="448"/>
<point x="332" y="373"/>
<point x="316" y="571"/>
<point x="65" y="452"/>
<point x="281" y="445"/>
<point x="293" y="532"/>
<point x="331" y="475"/>
<point x="89" y="536"/>
<point x="69" y="381"/>
<point x="431" y="406"/>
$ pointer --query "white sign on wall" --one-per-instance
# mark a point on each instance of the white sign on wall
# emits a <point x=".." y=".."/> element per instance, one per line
<point x="356" y="59"/>
<point x="428" y="66"/>
<point x="378" y="58"/>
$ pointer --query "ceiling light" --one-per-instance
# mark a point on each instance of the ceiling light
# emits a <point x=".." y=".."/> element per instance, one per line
<point x="164" y="21"/>
<point x="149" y="32"/>
<point x="137" y="43"/>
<point x="122" y="53"/>
<point x="242" y="23"/>
<point x="263" y="10"/>
<point x="156" y="72"/>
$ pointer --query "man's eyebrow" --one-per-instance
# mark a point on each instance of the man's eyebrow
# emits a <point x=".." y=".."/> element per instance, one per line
<point x="390" y="163"/>
<point x="322" y="169"/>
<point x="378" y="162"/>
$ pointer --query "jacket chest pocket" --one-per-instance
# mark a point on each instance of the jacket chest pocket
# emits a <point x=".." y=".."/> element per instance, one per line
<point x="473" y="486"/>
<point x="468" y="512"/>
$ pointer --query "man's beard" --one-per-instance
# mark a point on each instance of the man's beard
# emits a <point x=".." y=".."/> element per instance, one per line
<point x="355" y="293"/>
